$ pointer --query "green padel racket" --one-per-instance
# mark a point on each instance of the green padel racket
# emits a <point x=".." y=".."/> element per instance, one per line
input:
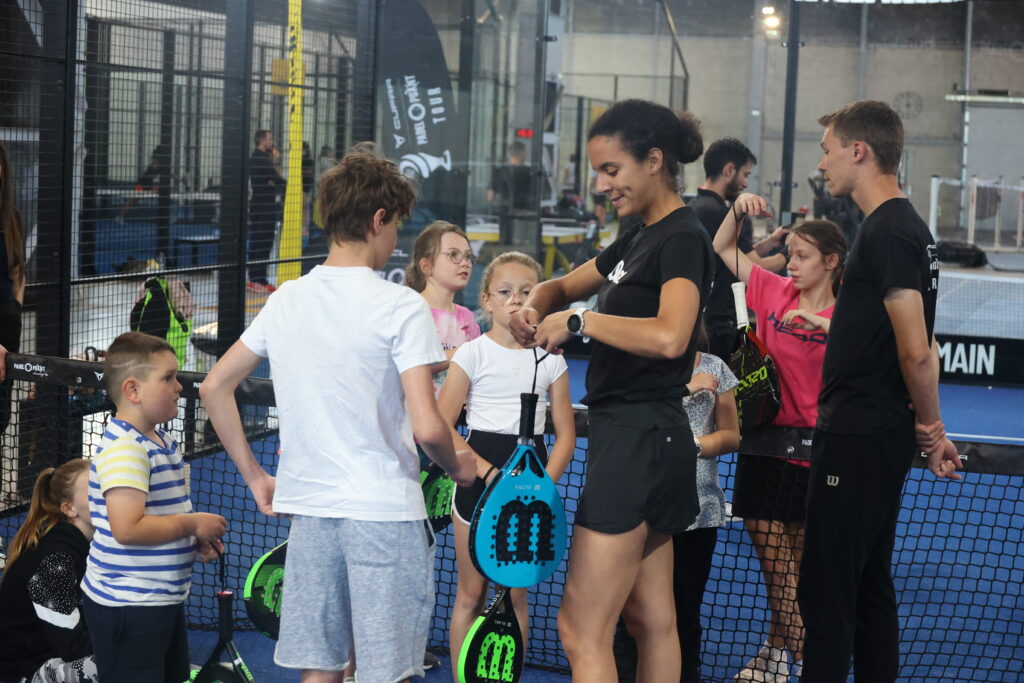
<point x="214" y="670"/>
<point x="438" y="488"/>
<point x="263" y="589"/>
<point x="493" y="648"/>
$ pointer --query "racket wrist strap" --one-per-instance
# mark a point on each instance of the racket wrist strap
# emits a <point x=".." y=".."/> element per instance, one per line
<point x="488" y="473"/>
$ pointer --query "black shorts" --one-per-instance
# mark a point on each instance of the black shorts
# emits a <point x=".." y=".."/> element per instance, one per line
<point x="768" y="487"/>
<point x="495" y="449"/>
<point x="641" y="467"/>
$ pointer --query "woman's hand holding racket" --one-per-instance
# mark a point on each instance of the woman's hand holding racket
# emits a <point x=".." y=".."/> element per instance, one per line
<point x="702" y="381"/>
<point x="523" y="324"/>
<point x="552" y="332"/>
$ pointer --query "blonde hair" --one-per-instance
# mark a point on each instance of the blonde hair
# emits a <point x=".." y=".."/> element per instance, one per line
<point x="427" y="246"/>
<point x="54" y="486"/>
<point x="517" y="257"/>
<point x="130" y="355"/>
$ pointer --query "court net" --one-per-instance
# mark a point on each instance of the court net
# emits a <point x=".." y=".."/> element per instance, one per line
<point x="958" y="561"/>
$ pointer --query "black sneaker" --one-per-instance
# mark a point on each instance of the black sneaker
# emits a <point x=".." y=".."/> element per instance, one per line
<point x="430" y="661"/>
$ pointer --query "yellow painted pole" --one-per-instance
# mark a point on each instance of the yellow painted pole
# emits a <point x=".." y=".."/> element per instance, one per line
<point x="291" y="230"/>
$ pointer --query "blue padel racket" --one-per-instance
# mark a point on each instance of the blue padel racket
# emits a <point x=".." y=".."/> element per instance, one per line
<point x="438" y="488"/>
<point x="263" y="589"/>
<point x="493" y="648"/>
<point x="518" y="533"/>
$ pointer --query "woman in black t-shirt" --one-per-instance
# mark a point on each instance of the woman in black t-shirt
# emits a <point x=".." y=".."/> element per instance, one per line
<point x="640" y="488"/>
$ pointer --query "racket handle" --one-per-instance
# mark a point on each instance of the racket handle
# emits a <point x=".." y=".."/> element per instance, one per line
<point x="739" y="299"/>
<point x="528" y="409"/>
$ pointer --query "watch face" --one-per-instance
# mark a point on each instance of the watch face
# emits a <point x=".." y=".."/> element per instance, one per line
<point x="573" y="323"/>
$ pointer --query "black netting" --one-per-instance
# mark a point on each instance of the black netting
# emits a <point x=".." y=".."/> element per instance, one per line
<point x="958" y="560"/>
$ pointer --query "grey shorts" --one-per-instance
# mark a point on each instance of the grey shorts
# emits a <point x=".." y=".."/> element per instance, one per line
<point x="364" y="584"/>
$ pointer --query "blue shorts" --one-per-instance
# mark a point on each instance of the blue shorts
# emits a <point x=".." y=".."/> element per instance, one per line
<point x="350" y="583"/>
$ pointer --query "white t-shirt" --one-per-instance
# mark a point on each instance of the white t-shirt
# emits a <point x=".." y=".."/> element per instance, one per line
<point x="497" y="375"/>
<point x="338" y="340"/>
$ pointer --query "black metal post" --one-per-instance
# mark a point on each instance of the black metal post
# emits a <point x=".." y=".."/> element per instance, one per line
<point x="234" y="184"/>
<point x="467" y="52"/>
<point x="341" y="106"/>
<point x="364" y="88"/>
<point x="789" y="118"/>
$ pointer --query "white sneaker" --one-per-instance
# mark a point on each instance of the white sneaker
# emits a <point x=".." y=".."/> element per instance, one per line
<point x="769" y="665"/>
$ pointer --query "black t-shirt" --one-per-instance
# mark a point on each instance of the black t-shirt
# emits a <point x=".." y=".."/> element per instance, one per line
<point x="635" y="267"/>
<point x="266" y="183"/>
<point x="863" y="390"/>
<point x="711" y="210"/>
<point x="511" y="183"/>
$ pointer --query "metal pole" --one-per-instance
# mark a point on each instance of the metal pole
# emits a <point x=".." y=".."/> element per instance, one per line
<point x="965" y="133"/>
<point x="1020" y="214"/>
<point x="234" y="183"/>
<point x="540" y="84"/>
<point x="972" y="208"/>
<point x="163" y="202"/>
<point x="862" y="63"/>
<point x="467" y="48"/>
<point x="758" y="76"/>
<point x="933" y="207"/>
<point x="789" y="121"/>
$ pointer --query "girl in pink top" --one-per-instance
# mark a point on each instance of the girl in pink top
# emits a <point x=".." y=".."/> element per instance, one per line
<point x="793" y="317"/>
<point x="442" y="262"/>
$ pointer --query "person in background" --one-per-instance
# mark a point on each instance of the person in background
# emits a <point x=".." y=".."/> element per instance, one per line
<point x="12" y="278"/>
<point x="308" y="178"/>
<point x="265" y="186"/>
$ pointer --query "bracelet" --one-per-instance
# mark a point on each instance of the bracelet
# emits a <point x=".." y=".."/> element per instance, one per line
<point x="487" y="474"/>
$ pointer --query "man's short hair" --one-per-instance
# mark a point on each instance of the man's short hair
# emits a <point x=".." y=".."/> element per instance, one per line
<point x="874" y="123"/>
<point x="517" y="149"/>
<point x="355" y="188"/>
<point x="723" y="152"/>
<point x="259" y="136"/>
<point x="130" y="355"/>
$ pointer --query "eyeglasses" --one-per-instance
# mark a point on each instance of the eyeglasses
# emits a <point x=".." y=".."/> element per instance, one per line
<point x="506" y="294"/>
<point x="457" y="257"/>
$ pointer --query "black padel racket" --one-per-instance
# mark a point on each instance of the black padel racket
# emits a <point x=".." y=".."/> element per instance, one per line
<point x="263" y="589"/>
<point x="438" y="488"/>
<point x="757" y="395"/>
<point x="493" y="648"/>
<point x="518" y="533"/>
<point x="214" y="670"/>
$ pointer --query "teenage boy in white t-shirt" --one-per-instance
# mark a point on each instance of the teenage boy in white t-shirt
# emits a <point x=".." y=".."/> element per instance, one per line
<point x="351" y="356"/>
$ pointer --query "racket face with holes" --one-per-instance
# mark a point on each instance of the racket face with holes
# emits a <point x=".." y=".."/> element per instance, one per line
<point x="263" y="589"/>
<point x="517" y="536"/>
<point x="757" y="395"/>
<point x="493" y="648"/>
<point x="438" y="489"/>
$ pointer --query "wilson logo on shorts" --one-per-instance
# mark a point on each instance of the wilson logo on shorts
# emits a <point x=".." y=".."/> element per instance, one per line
<point x="497" y="658"/>
<point x="529" y="526"/>
<point x="832" y="480"/>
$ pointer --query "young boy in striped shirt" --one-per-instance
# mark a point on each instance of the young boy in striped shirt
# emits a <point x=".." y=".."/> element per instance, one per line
<point x="139" y="568"/>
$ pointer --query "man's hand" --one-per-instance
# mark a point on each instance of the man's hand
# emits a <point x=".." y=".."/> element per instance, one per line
<point x="751" y="205"/>
<point x="523" y="324"/>
<point x="702" y="381"/>
<point x="929" y="437"/>
<point x="944" y="461"/>
<point x="553" y="332"/>
<point x="263" y="492"/>
<point x="3" y="363"/>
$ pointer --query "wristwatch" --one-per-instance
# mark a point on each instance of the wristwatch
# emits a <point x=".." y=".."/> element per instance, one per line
<point x="575" y="323"/>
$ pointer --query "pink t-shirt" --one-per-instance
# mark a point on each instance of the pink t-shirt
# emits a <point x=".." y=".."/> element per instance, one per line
<point x="798" y="353"/>
<point x="453" y="329"/>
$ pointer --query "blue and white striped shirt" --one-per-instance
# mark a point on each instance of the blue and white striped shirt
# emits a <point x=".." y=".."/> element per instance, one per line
<point x="116" y="574"/>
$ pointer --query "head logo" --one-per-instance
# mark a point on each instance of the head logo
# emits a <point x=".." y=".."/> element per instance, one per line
<point x="521" y="517"/>
<point x="618" y="272"/>
<point x="496" y="667"/>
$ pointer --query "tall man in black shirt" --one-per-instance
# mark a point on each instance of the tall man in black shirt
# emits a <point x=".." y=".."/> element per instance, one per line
<point x="727" y="166"/>
<point x="879" y="396"/>
<point x="266" y="184"/>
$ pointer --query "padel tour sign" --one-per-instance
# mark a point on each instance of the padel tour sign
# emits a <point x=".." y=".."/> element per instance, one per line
<point x="419" y="124"/>
<point x="980" y="360"/>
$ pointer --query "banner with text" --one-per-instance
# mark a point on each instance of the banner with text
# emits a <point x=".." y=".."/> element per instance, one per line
<point x="418" y="117"/>
<point x="980" y="360"/>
